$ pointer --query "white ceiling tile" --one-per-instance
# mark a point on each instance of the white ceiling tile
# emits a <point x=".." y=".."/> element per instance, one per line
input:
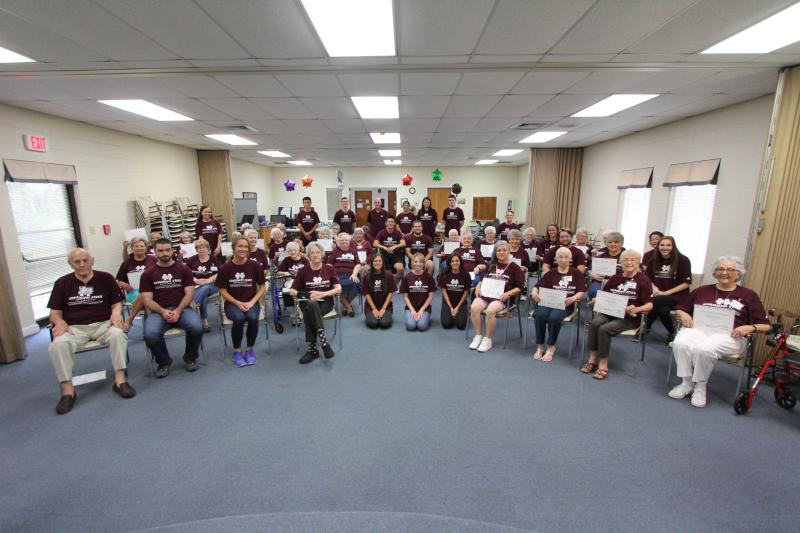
<point x="408" y="125"/>
<point x="423" y="106"/>
<point x="457" y="124"/>
<point x="330" y="107"/>
<point x="470" y="106"/>
<point x="660" y="104"/>
<point x="353" y="138"/>
<point x="312" y="84"/>
<point x="566" y="104"/>
<point x="160" y="64"/>
<point x="254" y="85"/>
<point x="707" y="104"/>
<point x="434" y="60"/>
<point x="37" y="42"/>
<point x="179" y="26"/>
<point x="444" y="27"/>
<point x="448" y="137"/>
<point x="293" y="63"/>
<point x="523" y="27"/>
<point x="481" y="83"/>
<point x="287" y="108"/>
<point x="345" y="125"/>
<point x="548" y="81"/>
<point x="192" y="108"/>
<point x="729" y="80"/>
<point x="58" y="109"/>
<point x="491" y="124"/>
<point x="425" y="84"/>
<point x="669" y="80"/>
<point x="33" y="89"/>
<point x="607" y="82"/>
<point x="115" y="88"/>
<point x="417" y="138"/>
<point x="240" y="108"/>
<point x="307" y="126"/>
<point x="275" y="29"/>
<point x="197" y="86"/>
<point x="519" y="105"/>
<point x="371" y="84"/>
<point x="647" y="58"/>
<point x="363" y="61"/>
<point x="270" y="126"/>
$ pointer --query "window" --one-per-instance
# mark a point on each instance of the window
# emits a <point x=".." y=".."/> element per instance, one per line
<point x="46" y="229"/>
<point x="689" y="221"/>
<point x="634" y="207"/>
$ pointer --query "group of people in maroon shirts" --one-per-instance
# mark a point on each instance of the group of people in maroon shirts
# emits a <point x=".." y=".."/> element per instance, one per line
<point x="494" y="272"/>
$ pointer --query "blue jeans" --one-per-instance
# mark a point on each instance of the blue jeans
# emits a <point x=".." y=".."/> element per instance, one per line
<point x="547" y="317"/>
<point x="155" y="326"/>
<point x="239" y="318"/>
<point x="348" y="286"/>
<point x="422" y="324"/>
<point x="591" y="292"/>
<point x="201" y="295"/>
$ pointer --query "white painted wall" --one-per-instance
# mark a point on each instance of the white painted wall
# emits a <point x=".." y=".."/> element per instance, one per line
<point x="252" y="177"/>
<point x="736" y="134"/>
<point x="112" y="168"/>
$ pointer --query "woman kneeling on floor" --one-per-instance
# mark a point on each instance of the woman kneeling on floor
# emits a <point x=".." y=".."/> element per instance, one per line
<point x="417" y="288"/>
<point x="639" y="290"/>
<point x="455" y="283"/>
<point x="378" y="288"/>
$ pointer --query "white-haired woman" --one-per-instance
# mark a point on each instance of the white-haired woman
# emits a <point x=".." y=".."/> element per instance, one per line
<point x="489" y="239"/>
<point x="277" y="244"/>
<point x="695" y="351"/>
<point x="582" y="242"/>
<point x="638" y="288"/>
<point x="345" y="261"/>
<point x="137" y="261"/>
<point x="612" y="250"/>
<point x="256" y="254"/>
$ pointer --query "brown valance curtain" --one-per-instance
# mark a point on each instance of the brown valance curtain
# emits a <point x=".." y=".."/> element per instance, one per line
<point x="555" y="184"/>
<point x="694" y="173"/>
<point x="636" y="178"/>
<point x="36" y="172"/>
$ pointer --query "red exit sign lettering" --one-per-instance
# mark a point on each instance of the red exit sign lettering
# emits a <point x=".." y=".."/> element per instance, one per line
<point x="35" y="143"/>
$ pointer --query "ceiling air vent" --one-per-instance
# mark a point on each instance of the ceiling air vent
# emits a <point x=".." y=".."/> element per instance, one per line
<point x="530" y="125"/>
<point x="240" y="127"/>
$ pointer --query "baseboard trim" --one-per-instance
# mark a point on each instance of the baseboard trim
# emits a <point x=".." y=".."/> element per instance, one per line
<point x="33" y="329"/>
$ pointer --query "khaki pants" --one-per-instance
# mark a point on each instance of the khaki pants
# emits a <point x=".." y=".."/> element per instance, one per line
<point x="62" y="349"/>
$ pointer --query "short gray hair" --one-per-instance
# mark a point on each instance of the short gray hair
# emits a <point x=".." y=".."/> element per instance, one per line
<point x="565" y="250"/>
<point x="275" y="232"/>
<point x="249" y="232"/>
<point x="735" y="259"/>
<point x="529" y="229"/>
<point x="514" y="233"/>
<point x="629" y="253"/>
<point x="291" y="246"/>
<point x="316" y="245"/>
<point x="186" y="234"/>
<point x="134" y="240"/>
<point x="324" y="231"/>
<point x="343" y="235"/>
<point x="452" y="232"/>
<point x="582" y="230"/>
<point x="615" y="236"/>
<point x="490" y="229"/>
<point x="75" y="251"/>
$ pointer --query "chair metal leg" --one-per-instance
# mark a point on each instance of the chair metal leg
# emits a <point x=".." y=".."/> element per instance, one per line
<point x="669" y="369"/>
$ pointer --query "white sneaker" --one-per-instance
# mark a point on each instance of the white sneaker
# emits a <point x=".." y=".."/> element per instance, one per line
<point x="476" y="341"/>
<point x="699" y="395"/>
<point x="486" y="345"/>
<point x="681" y="391"/>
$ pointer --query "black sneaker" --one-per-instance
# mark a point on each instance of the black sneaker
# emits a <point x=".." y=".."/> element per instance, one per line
<point x="327" y="350"/>
<point x="190" y="366"/>
<point x="124" y="390"/>
<point x="162" y="371"/>
<point x="65" y="403"/>
<point x="308" y="357"/>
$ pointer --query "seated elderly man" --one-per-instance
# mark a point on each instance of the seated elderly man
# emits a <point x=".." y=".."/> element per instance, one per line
<point x="86" y="305"/>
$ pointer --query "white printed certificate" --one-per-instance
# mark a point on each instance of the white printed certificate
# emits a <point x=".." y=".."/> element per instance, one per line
<point x="450" y="247"/>
<point x="487" y="250"/>
<point x="134" y="278"/>
<point x="611" y="304"/>
<point x="711" y="320"/>
<point x="492" y="287"/>
<point x="137" y="232"/>
<point x="603" y="266"/>
<point x="327" y="244"/>
<point x="226" y="249"/>
<point x="552" y="298"/>
<point x="260" y="244"/>
<point x="362" y="256"/>
<point x="188" y="250"/>
<point x="531" y="254"/>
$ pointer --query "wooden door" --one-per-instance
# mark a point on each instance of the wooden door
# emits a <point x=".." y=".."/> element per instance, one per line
<point x="392" y="209"/>
<point x="438" y="196"/>
<point x="364" y="199"/>
<point x="484" y="208"/>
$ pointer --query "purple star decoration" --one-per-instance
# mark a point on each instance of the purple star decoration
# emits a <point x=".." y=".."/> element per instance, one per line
<point x="289" y="184"/>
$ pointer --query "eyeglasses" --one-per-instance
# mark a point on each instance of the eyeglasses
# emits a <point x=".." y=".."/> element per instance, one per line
<point x="725" y="270"/>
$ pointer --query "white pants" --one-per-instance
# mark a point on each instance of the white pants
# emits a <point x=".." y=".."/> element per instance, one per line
<point x="696" y="352"/>
<point x="62" y="349"/>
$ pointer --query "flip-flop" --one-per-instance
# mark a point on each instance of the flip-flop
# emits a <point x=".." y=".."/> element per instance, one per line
<point x="548" y="356"/>
<point x="600" y="373"/>
<point x="538" y="355"/>
<point x="588" y="368"/>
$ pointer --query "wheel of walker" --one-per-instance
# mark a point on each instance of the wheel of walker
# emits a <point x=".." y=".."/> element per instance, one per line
<point x="740" y="405"/>
<point x="279" y="327"/>
<point x="785" y="398"/>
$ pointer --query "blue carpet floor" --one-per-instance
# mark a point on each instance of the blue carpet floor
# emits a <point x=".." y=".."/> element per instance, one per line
<point x="399" y="432"/>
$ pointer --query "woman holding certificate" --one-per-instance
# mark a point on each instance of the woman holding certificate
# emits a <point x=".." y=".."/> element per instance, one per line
<point x="716" y="319"/>
<point x="555" y="294"/>
<point x="606" y="263"/>
<point x="502" y="280"/>
<point x="618" y="307"/>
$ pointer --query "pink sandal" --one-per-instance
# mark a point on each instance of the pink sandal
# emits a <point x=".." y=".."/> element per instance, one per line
<point x="539" y="354"/>
<point x="548" y="356"/>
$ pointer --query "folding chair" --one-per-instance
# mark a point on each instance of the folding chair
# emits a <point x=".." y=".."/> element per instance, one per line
<point x="171" y="333"/>
<point x="505" y="314"/>
<point x="226" y="323"/>
<point x="637" y="335"/>
<point x="91" y="346"/>
<point x="573" y="320"/>
<point x="334" y="314"/>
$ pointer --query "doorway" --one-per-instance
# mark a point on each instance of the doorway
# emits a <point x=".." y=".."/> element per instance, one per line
<point x="363" y="203"/>
<point x="438" y="196"/>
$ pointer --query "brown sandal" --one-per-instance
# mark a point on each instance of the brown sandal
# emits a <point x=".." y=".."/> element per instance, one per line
<point x="588" y="368"/>
<point x="601" y="373"/>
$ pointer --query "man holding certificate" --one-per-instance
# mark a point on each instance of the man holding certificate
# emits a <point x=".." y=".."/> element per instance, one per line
<point x="503" y="280"/>
<point x="618" y="307"/>
<point x="555" y="295"/>
<point x="716" y="319"/>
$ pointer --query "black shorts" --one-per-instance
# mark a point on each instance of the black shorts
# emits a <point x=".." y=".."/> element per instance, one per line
<point x="389" y="260"/>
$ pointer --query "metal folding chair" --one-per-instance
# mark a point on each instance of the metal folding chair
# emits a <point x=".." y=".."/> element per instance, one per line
<point x="573" y="320"/>
<point x="226" y="323"/>
<point x="334" y="314"/>
<point x="637" y="335"/>
<point x="171" y="333"/>
<point x="91" y="346"/>
<point x="512" y="304"/>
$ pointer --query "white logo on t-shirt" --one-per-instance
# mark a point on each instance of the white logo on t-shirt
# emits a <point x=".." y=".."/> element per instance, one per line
<point x="166" y="277"/>
<point x="85" y="292"/>
<point x="389" y="239"/>
<point x="454" y="282"/>
<point x="563" y="283"/>
<point x="140" y="267"/>
<point x="239" y="275"/>
<point x="732" y="304"/>
<point x="418" y="283"/>
<point x="201" y="269"/>
<point x="317" y="279"/>
<point x="664" y="268"/>
<point x="378" y="283"/>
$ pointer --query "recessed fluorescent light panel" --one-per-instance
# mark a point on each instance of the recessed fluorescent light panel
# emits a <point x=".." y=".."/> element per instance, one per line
<point x="777" y="31"/>
<point x="392" y="162"/>
<point x="614" y="104"/>
<point x="385" y="138"/>
<point x="376" y="106"/>
<point x="147" y="109"/>
<point x="10" y="56"/>
<point x="390" y="153"/>
<point x="506" y="153"/>
<point x="273" y="153"/>
<point x="300" y="163"/>
<point x="353" y="28"/>
<point x="231" y="139"/>
<point x="487" y="162"/>
<point x="542" y="136"/>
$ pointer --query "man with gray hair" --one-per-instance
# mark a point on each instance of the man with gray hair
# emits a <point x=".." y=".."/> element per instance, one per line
<point x="85" y="306"/>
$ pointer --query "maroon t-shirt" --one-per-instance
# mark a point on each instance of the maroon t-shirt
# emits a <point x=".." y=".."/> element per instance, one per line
<point x="470" y="258"/>
<point x="745" y="302"/>
<point x="308" y="279"/>
<point x="364" y="246"/>
<point x="504" y="228"/>
<point x="241" y="281"/>
<point x="533" y="245"/>
<point x="511" y="273"/>
<point x="603" y="253"/>
<point x="260" y="256"/>
<point x="345" y="219"/>
<point x="405" y="221"/>
<point x="578" y="257"/>
<point x="429" y="218"/>
<point x="377" y="220"/>
<point x="545" y="245"/>
<point x="291" y="266"/>
<point x="417" y="287"/>
<point x="666" y="280"/>
<point x="306" y="219"/>
<point x="209" y="230"/>
<point x="453" y="218"/>
<point x="455" y="285"/>
<point x="587" y="253"/>
<point x="389" y="239"/>
<point x="572" y="282"/>
<point x="276" y="248"/>
<point x="521" y="255"/>
<point x="638" y="289"/>
<point x="343" y="261"/>
<point x="202" y="269"/>
<point x="167" y="283"/>
<point x="648" y="255"/>
<point x="421" y="244"/>
<point x="132" y="265"/>
<point x="81" y="303"/>
<point x="379" y="290"/>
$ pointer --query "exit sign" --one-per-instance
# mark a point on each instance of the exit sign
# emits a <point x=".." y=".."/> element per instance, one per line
<point x="35" y="143"/>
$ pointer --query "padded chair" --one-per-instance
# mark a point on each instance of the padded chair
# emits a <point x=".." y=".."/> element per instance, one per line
<point x="512" y="304"/>
<point x="91" y="346"/>
<point x="636" y="335"/>
<point x="334" y="314"/>
<point x="573" y="320"/>
<point x="226" y="323"/>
